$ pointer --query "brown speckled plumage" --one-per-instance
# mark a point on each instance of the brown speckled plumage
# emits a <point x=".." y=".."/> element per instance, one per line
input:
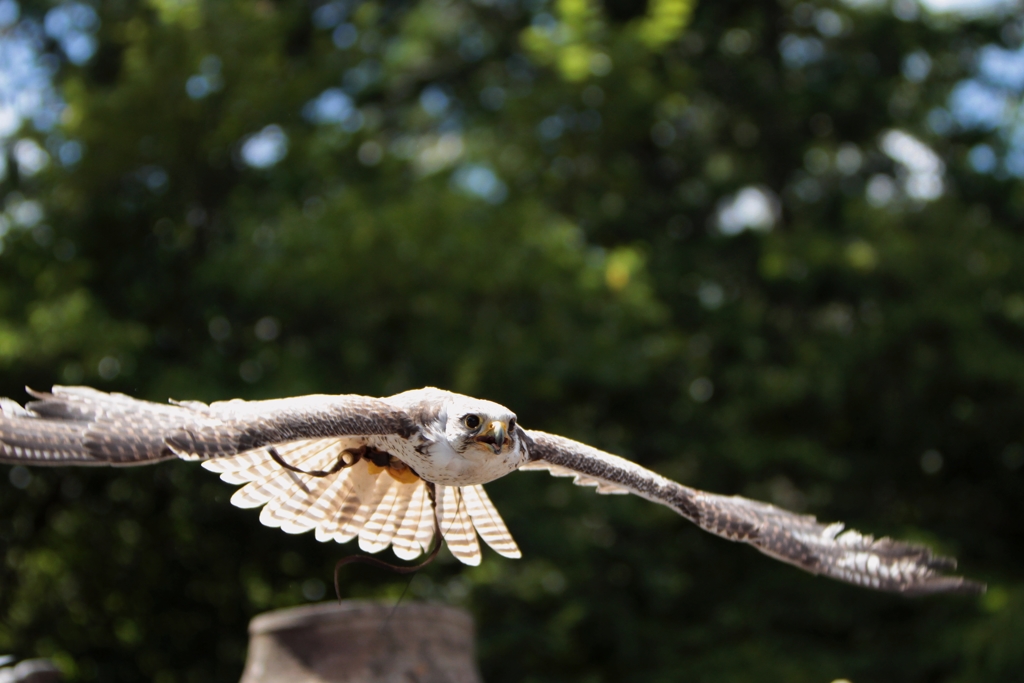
<point x="800" y="540"/>
<point x="83" y="426"/>
<point x="247" y="442"/>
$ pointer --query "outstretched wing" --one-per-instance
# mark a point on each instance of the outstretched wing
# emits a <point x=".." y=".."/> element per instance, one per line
<point x="800" y="540"/>
<point x="83" y="426"/>
<point x="246" y="442"/>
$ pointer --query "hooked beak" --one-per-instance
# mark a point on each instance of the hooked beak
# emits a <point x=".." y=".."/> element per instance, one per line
<point x="495" y="435"/>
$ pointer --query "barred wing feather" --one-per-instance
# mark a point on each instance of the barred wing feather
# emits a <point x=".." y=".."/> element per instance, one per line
<point x="800" y="540"/>
<point x="408" y="543"/>
<point x="577" y="478"/>
<point x="488" y="522"/>
<point x="335" y="508"/>
<point x="379" y="531"/>
<point x="360" y="502"/>
<point x="456" y="525"/>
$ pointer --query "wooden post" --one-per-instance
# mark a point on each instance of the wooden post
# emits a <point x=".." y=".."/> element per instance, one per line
<point x="362" y="642"/>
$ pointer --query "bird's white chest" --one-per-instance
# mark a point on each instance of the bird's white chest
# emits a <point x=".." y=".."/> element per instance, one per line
<point x="438" y="462"/>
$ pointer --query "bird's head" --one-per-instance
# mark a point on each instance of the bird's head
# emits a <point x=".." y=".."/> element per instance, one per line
<point x="481" y="429"/>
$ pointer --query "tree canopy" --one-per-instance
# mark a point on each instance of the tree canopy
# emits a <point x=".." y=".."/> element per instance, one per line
<point x="764" y="248"/>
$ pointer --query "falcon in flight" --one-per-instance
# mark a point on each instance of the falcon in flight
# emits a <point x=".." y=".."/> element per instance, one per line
<point x="391" y="471"/>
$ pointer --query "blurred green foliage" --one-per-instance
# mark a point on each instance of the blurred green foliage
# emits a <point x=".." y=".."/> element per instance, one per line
<point x="524" y="201"/>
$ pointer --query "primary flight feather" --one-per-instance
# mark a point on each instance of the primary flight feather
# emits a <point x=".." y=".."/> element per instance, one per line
<point x="355" y="467"/>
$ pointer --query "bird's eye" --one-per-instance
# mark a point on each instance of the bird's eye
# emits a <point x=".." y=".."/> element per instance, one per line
<point x="512" y="425"/>
<point x="472" y="421"/>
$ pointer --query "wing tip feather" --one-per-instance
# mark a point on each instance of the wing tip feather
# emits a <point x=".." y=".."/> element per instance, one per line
<point x="946" y="585"/>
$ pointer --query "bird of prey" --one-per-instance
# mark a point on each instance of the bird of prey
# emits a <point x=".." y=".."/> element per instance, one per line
<point x="391" y="471"/>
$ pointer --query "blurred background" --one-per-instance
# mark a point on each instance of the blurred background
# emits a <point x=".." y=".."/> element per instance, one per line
<point x="764" y="248"/>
